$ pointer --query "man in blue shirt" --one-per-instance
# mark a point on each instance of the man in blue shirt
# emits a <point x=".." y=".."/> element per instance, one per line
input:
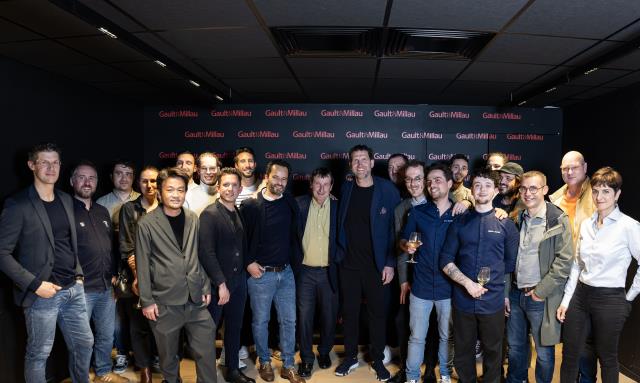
<point x="478" y="239"/>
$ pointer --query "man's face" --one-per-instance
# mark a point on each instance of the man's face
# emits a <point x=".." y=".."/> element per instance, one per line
<point x="321" y="188"/>
<point x="148" y="186"/>
<point x="574" y="170"/>
<point x="460" y="170"/>
<point x="394" y="166"/>
<point x="208" y="170"/>
<point x="508" y="183"/>
<point x="277" y="180"/>
<point x="84" y="182"/>
<point x="495" y="162"/>
<point x="246" y="164"/>
<point x="483" y="190"/>
<point x="437" y="185"/>
<point x="122" y="178"/>
<point x="173" y="193"/>
<point x="187" y="162"/>
<point x="414" y="180"/>
<point x="229" y="188"/>
<point x="532" y="192"/>
<point x="361" y="164"/>
<point x="46" y="168"/>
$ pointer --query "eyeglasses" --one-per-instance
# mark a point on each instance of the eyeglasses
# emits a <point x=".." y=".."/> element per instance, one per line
<point x="47" y="164"/>
<point x="209" y="170"/>
<point x="532" y="189"/>
<point x="566" y="169"/>
<point x="409" y="180"/>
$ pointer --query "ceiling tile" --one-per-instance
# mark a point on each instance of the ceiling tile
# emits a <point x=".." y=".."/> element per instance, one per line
<point x="502" y="72"/>
<point x="255" y="67"/>
<point x="426" y="69"/>
<point x="532" y="49"/>
<point x="43" y="53"/>
<point x="91" y="73"/>
<point x="598" y="77"/>
<point x="104" y="48"/>
<point x="593" y="93"/>
<point x="46" y="18"/>
<point x="337" y="85"/>
<point x="598" y="50"/>
<point x="629" y="33"/>
<point x="397" y="85"/>
<point x="113" y="14"/>
<point x="217" y="44"/>
<point x="325" y="12"/>
<point x="630" y="61"/>
<point x="276" y="85"/>
<point x="147" y="70"/>
<point x="12" y="32"/>
<point x="627" y="80"/>
<point x="339" y="67"/>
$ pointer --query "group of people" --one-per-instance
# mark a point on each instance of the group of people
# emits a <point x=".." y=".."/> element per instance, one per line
<point x="492" y="258"/>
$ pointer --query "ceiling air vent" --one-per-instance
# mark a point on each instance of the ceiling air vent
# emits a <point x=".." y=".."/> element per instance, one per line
<point x="328" y="41"/>
<point x="435" y="43"/>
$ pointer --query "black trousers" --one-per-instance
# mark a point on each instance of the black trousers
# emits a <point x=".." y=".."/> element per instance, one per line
<point x="606" y="309"/>
<point x="398" y="323"/>
<point x="232" y="314"/>
<point x="489" y="329"/>
<point x="142" y="342"/>
<point x="354" y="284"/>
<point x="313" y="287"/>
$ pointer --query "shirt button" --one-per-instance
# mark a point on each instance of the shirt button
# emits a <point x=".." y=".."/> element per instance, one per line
<point x="237" y="254"/>
<point x="235" y="269"/>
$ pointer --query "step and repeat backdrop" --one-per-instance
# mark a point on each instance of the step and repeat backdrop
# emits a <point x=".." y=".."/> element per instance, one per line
<point x="312" y="135"/>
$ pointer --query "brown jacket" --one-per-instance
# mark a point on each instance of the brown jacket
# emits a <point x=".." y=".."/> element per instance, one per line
<point x="584" y="205"/>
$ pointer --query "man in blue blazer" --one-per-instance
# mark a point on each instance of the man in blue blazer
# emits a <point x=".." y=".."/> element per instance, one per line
<point x="318" y="276"/>
<point x="366" y="254"/>
<point x="39" y="253"/>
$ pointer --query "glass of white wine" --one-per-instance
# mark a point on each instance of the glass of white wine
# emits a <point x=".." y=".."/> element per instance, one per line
<point x="413" y="243"/>
<point x="484" y="276"/>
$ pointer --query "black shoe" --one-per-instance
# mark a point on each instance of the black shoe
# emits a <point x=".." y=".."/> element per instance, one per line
<point x="324" y="361"/>
<point x="236" y="376"/>
<point x="304" y="369"/>
<point x="400" y="377"/>
<point x="429" y="378"/>
<point x="382" y="374"/>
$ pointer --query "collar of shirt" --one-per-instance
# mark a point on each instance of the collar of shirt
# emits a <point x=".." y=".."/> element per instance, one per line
<point x="614" y="216"/>
<point x="319" y="206"/>
<point x="421" y="200"/>
<point x="542" y="213"/>
<point x="264" y="195"/>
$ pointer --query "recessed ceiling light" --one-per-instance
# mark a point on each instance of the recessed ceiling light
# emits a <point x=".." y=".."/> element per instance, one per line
<point x="219" y="98"/>
<point x="194" y="83"/>
<point x="550" y="90"/>
<point x="160" y="63"/>
<point x="591" y="71"/>
<point x="106" y="32"/>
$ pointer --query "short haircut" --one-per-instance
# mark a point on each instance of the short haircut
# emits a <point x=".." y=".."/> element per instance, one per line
<point x="186" y="152"/>
<point x="321" y="172"/>
<point x="498" y="154"/>
<point x="208" y="154"/>
<point x="607" y="176"/>
<point x="459" y="156"/>
<point x="535" y="173"/>
<point x="414" y="164"/>
<point x="448" y="174"/>
<point x="401" y="155"/>
<point x="277" y="162"/>
<point x="149" y="167"/>
<point x="123" y="162"/>
<point x="86" y="163"/>
<point x="43" y="147"/>
<point x="487" y="173"/>
<point x="173" y="172"/>
<point x="230" y="172"/>
<point x="244" y="149"/>
<point x="358" y="148"/>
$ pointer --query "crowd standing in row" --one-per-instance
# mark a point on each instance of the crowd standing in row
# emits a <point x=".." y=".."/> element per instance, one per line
<point x="195" y="254"/>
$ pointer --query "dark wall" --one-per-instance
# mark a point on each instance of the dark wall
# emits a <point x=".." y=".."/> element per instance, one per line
<point x="606" y="130"/>
<point x="35" y="107"/>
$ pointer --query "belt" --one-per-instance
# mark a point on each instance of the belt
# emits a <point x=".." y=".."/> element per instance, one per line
<point x="274" y="269"/>
<point x="524" y="289"/>
<point x="315" y="267"/>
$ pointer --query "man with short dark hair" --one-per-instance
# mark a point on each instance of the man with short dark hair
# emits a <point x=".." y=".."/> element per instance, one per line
<point x="396" y="162"/>
<point x="496" y="160"/>
<point x="274" y="249"/>
<point x="245" y="162"/>
<point x="100" y="265"/>
<point x="38" y="252"/>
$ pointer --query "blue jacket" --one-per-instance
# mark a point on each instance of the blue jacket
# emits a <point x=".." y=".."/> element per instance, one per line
<point x="384" y="201"/>
<point x="303" y="203"/>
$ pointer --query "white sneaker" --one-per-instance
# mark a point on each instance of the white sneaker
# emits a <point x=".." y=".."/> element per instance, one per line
<point x="243" y="353"/>
<point x="241" y="365"/>
<point x="411" y="381"/>
<point x="445" y="379"/>
<point x="387" y="355"/>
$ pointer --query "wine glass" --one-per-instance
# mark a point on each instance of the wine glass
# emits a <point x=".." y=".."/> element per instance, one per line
<point x="484" y="276"/>
<point x="413" y="243"/>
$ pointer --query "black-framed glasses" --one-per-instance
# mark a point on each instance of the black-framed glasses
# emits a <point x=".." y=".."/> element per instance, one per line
<point x="531" y="189"/>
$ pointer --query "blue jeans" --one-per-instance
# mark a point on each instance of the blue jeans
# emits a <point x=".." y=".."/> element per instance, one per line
<point x="69" y="310"/>
<point x="527" y="313"/>
<point x="101" y="307"/>
<point x="419" y="312"/>
<point x="280" y="288"/>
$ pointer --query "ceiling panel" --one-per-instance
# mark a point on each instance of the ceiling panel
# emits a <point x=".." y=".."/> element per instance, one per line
<point x="43" y="53"/>
<point x="218" y="44"/>
<point x="599" y="77"/>
<point x="147" y="70"/>
<point x="256" y="67"/>
<point x="630" y="61"/>
<point x="426" y="69"/>
<point x="104" y="48"/>
<point x="502" y="72"/>
<point x="601" y="48"/>
<point x="533" y="49"/>
<point x="593" y="93"/>
<point x="45" y="18"/>
<point x="113" y="14"/>
<point x="416" y="86"/>
<point x="486" y="15"/>
<point x="277" y="85"/>
<point x="12" y="32"/>
<point x="577" y="18"/>
<point x="91" y="73"/>
<point x="317" y="67"/>
<point x="467" y="91"/>
<point x="630" y="33"/>
<point x="627" y="80"/>
<point x="325" y="12"/>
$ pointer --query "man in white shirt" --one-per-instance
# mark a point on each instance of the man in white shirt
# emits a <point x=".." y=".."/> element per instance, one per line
<point x="245" y="163"/>
<point x="202" y="195"/>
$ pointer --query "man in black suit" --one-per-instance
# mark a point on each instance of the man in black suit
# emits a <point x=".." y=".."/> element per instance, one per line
<point x="222" y="245"/>
<point x="174" y="289"/>
<point x="39" y="253"/>
<point x="318" y="277"/>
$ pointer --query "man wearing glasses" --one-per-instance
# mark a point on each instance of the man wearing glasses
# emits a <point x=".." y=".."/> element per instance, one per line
<point x="544" y="260"/>
<point x="200" y="196"/>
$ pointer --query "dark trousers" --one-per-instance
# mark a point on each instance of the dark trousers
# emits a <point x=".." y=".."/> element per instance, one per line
<point x="606" y="309"/>
<point x="201" y="336"/>
<point x="489" y="329"/>
<point x="398" y="324"/>
<point x="312" y="286"/>
<point x="231" y="313"/>
<point x="142" y="341"/>
<point x="354" y="285"/>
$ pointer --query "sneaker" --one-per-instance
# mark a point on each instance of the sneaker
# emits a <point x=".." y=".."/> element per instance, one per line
<point x="411" y="381"/>
<point x="110" y="378"/>
<point x="382" y="374"/>
<point x="277" y="355"/>
<point x="347" y="365"/>
<point x="120" y="364"/>
<point x="387" y="355"/>
<point x="445" y="379"/>
<point x="478" y="349"/>
<point x="243" y="353"/>
<point x="155" y="364"/>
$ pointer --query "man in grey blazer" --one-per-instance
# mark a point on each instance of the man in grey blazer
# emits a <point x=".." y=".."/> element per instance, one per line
<point x="39" y="253"/>
<point x="174" y="289"/>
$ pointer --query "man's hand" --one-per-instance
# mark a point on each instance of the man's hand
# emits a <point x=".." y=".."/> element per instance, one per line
<point x="475" y="289"/>
<point x="387" y="274"/>
<point x="501" y="214"/>
<point x="47" y="290"/>
<point x="134" y="287"/>
<point x="507" y="307"/>
<point x="223" y="294"/>
<point x="561" y="313"/>
<point x="405" y="288"/>
<point x="131" y="261"/>
<point x="255" y="270"/>
<point x="533" y="296"/>
<point x="151" y="312"/>
<point x="405" y="248"/>
<point x="460" y="207"/>
<point x="206" y="298"/>
<point x="114" y="279"/>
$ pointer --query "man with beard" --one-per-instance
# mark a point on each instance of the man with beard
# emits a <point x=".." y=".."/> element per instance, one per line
<point x="274" y="249"/>
<point x="200" y="196"/>
<point x="245" y="162"/>
<point x="508" y="198"/>
<point x="496" y="160"/>
<point x="396" y="163"/>
<point x="100" y="266"/>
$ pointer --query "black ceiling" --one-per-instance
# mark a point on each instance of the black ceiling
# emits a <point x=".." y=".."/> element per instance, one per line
<point x="538" y="51"/>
